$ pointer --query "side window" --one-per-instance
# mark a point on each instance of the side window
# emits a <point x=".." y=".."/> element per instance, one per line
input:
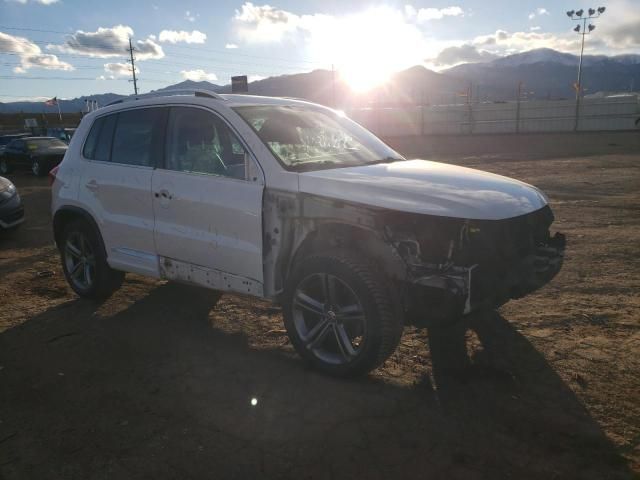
<point x="136" y="140"/>
<point x="200" y="142"/>
<point x="103" y="146"/>
<point x="17" y="145"/>
<point x="92" y="139"/>
<point x="98" y="143"/>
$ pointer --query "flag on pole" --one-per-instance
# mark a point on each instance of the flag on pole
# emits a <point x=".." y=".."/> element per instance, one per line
<point x="54" y="102"/>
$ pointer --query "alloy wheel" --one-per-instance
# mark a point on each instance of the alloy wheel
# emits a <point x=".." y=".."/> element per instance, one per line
<point x="329" y="318"/>
<point x="80" y="260"/>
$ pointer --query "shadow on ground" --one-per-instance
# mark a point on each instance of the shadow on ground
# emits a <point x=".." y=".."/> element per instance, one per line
<point x="156" y="391"/>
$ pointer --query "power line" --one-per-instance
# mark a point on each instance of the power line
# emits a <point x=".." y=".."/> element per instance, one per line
<point x="17" y="77"/>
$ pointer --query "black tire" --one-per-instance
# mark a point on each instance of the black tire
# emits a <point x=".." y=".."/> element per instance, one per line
<point x="102" y="279"/>
<point x="382" y="322"/>
<point x="5" y="168"/>
<point x="38" y="168"/>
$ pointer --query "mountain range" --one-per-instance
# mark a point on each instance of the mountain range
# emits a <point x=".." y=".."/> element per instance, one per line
<point x="544" y="73"/>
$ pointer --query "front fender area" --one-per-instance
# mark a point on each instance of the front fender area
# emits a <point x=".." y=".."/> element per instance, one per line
<point x="296" y="225"/>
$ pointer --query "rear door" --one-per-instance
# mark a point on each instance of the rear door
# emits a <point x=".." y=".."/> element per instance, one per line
<point x="123" y="149"/>
<point x="208" y="205"/>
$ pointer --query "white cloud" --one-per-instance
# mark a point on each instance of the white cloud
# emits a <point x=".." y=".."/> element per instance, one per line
<point x="109" y="42"/>
<point x="466" y="53"/>
<point x="190" y="16"/>
<point x="426" y="14"/>
<point x="255" y="78"/>
<point x="231" y="45"/>
<point x="30" y="54"/>
<point x="620" y="26"/>
<point x="173" y="36"/>
<point x="535" y="28"/>
<point x="119" y="69"/>
<point x="503" y="42"/>
<point x="265" y="23"/>
<point x="538" y="12"/>
<point x="198" y="75"/>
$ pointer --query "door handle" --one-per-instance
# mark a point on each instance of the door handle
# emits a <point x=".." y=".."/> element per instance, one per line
<point x="164" y="194"/>
<point x="92" y="185"/>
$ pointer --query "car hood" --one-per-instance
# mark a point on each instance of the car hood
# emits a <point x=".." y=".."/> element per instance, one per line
<point x="433" y="188"/>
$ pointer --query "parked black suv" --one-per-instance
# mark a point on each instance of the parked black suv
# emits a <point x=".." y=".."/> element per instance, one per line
<point x="39" y="154"/>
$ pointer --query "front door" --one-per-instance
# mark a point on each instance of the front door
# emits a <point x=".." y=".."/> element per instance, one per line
<point x="207" y="202"/>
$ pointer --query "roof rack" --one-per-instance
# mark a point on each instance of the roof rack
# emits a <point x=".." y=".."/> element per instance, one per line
<point x="169" y="93"/>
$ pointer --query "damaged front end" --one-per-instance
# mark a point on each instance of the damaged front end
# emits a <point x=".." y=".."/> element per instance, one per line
<point x="455" y="266"/>
<point x="443" y="266"/>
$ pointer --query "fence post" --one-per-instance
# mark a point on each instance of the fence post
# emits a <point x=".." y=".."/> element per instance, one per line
<point x="518" y="107"/>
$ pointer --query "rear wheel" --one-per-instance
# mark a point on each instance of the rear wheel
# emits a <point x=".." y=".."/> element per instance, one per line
<point x="340" y="315"/>
<point x="85" y="264"/>
<point x="5" y="168"/>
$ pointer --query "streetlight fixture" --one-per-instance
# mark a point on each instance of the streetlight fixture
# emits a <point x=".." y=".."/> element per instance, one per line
<point x="583" y="30"/>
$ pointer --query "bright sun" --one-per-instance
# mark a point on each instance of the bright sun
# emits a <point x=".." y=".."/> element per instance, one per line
<point x="366" y="49"/>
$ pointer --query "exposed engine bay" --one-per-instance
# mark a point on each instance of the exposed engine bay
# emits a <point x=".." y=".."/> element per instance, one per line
<point x="447" y="266"/>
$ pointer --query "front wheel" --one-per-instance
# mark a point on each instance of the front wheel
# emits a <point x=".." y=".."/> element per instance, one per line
<point x="85" y="264"/>
<point x="340" y="314"/>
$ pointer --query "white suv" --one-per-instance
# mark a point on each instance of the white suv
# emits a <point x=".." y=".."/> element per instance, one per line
<point x="291" y="201"/>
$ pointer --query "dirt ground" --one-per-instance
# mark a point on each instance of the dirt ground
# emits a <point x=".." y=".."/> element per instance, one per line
<point x="157" y="382"/>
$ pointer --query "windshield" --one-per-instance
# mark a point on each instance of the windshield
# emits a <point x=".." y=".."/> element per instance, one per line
<point x="38" y="143"/>
<point x="304" y="138"/>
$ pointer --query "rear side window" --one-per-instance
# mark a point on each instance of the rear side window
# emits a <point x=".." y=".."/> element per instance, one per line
<point x="92" y="139"/>
<point x="98" y="143"/>
<point x="137" y="138"/>
<point x="103" y="147"/>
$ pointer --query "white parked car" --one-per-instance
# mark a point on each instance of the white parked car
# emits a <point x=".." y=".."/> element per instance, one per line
<point x="291" y="201"/>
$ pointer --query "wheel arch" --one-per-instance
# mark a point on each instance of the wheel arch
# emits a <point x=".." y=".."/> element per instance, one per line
<point x="368" y="242"/>
<point x="68" y="213"/>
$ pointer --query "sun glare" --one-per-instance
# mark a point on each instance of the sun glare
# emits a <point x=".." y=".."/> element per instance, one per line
<point x="366" y="49"/>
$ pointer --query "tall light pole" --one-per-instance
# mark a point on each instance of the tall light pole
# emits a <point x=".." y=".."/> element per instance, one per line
<point x="583" y="30"/>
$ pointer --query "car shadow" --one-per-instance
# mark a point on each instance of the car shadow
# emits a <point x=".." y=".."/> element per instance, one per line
<point x="155" y="390"/>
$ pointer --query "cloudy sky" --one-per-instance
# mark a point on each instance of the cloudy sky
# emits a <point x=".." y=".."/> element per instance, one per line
<point x="68" y="48"/>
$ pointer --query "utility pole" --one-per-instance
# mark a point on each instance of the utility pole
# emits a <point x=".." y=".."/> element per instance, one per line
<point x="518" y="106"/>
<point x="133" y="67"/>
<point x="577" y="15"/>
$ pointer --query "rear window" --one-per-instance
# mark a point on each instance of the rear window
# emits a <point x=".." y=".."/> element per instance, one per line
<point x="98" y="144"/>
<point x="133" y="137"/>
<point x="137" y="137"/>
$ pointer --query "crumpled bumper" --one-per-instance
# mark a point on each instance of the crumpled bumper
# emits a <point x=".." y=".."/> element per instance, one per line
<point x="470" y="288"/>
